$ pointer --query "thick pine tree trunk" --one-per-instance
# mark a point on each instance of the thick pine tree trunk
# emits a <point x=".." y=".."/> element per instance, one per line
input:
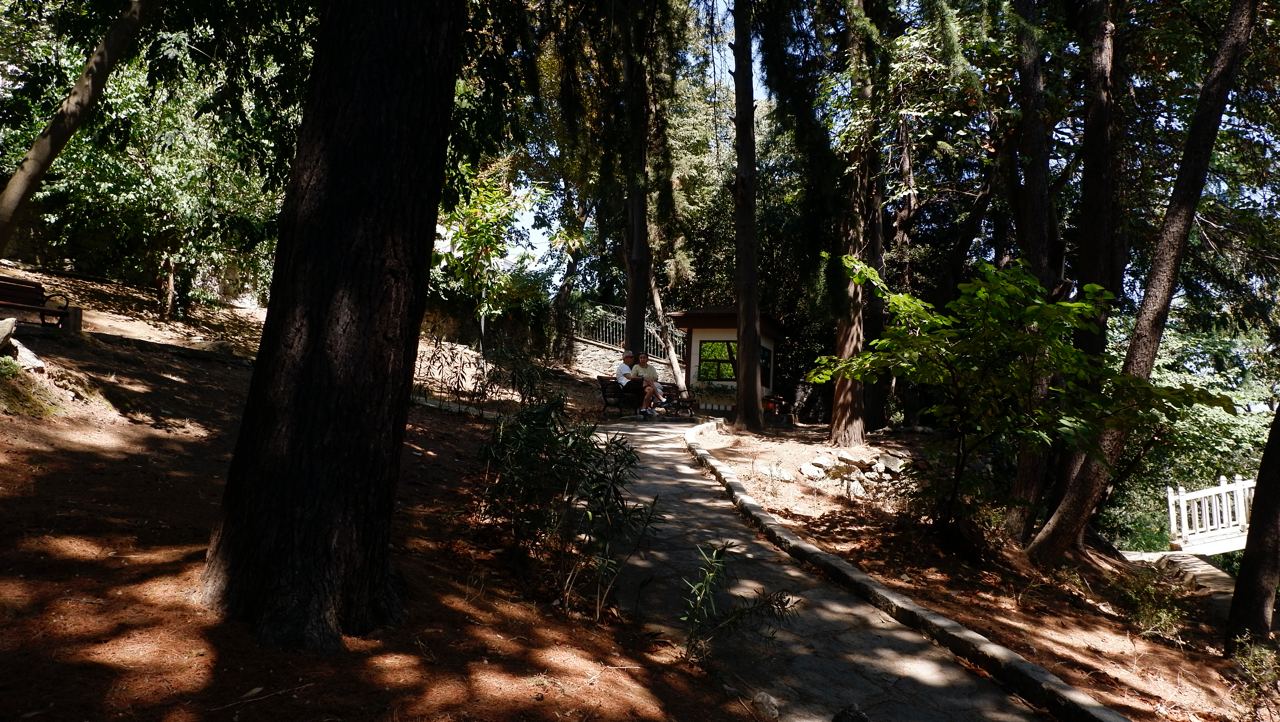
<point x="848" y="427"/>
<point x="1064" y="528"/>
<point x="302" y="552"/>
<point x="750" y="412"/>
<point x="1255" y="594"/>
<point x="635" y="162"/>
<point x="70" y="115"/>
<point x="863" y="235"/>
<point x="1034" y="213"/>
<point x="1101" y="251"/>
<point x="1036" y="236"/>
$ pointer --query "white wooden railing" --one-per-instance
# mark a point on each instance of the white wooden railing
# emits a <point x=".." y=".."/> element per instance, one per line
<point x="1213" y="520"/>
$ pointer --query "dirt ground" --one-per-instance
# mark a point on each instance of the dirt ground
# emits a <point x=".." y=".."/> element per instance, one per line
<point x="1072" y="623"/>
<point x="106" y="506"/>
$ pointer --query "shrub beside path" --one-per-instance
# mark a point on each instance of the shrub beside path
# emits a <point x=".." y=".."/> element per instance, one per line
<point x="838" y="657"/>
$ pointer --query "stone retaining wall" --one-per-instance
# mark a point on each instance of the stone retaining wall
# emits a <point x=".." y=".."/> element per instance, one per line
<point x="599" y="359"/>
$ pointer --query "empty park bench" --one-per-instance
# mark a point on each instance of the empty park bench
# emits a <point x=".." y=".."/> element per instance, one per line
<point x="52" y="309"/>
<point x="613" y="395"/>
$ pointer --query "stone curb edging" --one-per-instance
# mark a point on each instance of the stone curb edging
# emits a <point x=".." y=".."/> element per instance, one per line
<point x="450" y="406"/>
<point x="1035" y="683"/>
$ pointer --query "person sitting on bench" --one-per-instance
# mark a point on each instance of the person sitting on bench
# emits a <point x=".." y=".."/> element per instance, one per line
<point x="648" y="375"/>
<point x="627" y="379"/>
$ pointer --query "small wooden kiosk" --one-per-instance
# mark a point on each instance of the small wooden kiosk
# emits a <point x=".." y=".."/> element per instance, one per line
<point x="711" y="354"/>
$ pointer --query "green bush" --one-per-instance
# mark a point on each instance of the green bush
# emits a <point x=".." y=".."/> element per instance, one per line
<point x="1259" y="688"/>
<point x="558" y="487"/>
<point x="984" y="362"/>
<point x="1152" y="603"/>
<point x="9" y="368"/>
<point x="22" y="395"/>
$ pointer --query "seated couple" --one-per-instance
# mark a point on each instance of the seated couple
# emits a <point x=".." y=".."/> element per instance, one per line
<point x="640" y="378"/>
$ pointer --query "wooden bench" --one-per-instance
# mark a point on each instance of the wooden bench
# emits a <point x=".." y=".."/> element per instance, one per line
<point x="29" y="296"/>
<point x="613" y="395"/>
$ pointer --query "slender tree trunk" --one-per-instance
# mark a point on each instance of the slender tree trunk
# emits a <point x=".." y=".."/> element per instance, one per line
<point x="70" y="116"/>
<point x="965" y="233"/>
<point x="1255" y="594"/>
<point x="665" y="330"/>
<point x="302" y="552"/>
<point x="750" y="411"/>
<point x="635" y="162"/>
<point x="167" y="288"/>
<point x="904" y="218"/>
<point x="563" y="348"/>
<point x="875" y="394"/>
<point x="1064" y="528"/>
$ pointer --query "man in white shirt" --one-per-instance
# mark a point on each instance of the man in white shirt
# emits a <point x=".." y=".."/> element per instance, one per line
<point x="624" y="368"/>
<point x="631" y="382"/>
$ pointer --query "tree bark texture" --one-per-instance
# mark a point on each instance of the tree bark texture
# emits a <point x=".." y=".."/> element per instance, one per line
<point x="1064" y="528"/>
<point x="302" y="552"/>
<point x="71" y="114"/>
<point x="863" y="236"/>
<point x="750" y="410"/>
<point x="1034" y="232"/>
<point x="1033" y="210"/>
<point x="635" y="168"/>
<point x="1255" y="593"/>
<point x="1101" y="251"/>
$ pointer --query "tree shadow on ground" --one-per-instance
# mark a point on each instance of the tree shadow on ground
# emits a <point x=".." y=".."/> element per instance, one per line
<point x="103" y="528"/>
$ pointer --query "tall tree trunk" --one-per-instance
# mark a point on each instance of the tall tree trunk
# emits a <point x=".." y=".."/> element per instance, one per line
<point x="1034" y="215"/>
<point x="1255" y="594"/>
<point x="302" y="552"/>
<point x="635" y="163"/>
<point x="863" y="236"/>
<point x="167" y="288"/>
<point x="1101" y="250"/>
<point x="750" y="411"/>
<point x="70" y="115"/>
<point x="1064" y="528"/>
<point x="1035" y="239"/>
<point x="904" y="218"/>
<point x="875" y="394"/>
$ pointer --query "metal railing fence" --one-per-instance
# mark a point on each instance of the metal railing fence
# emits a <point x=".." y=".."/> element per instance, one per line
<point x="607" y="324"/>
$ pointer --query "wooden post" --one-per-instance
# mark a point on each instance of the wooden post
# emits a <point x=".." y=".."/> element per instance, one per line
<point x="1242" y="511"/>
<point x="1182" y="512"/>
<point x="1173" y="519"/>
<point x="74" y="320"/>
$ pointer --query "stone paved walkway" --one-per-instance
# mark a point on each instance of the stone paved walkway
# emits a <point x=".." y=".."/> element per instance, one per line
<point x="836" y="652"/>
